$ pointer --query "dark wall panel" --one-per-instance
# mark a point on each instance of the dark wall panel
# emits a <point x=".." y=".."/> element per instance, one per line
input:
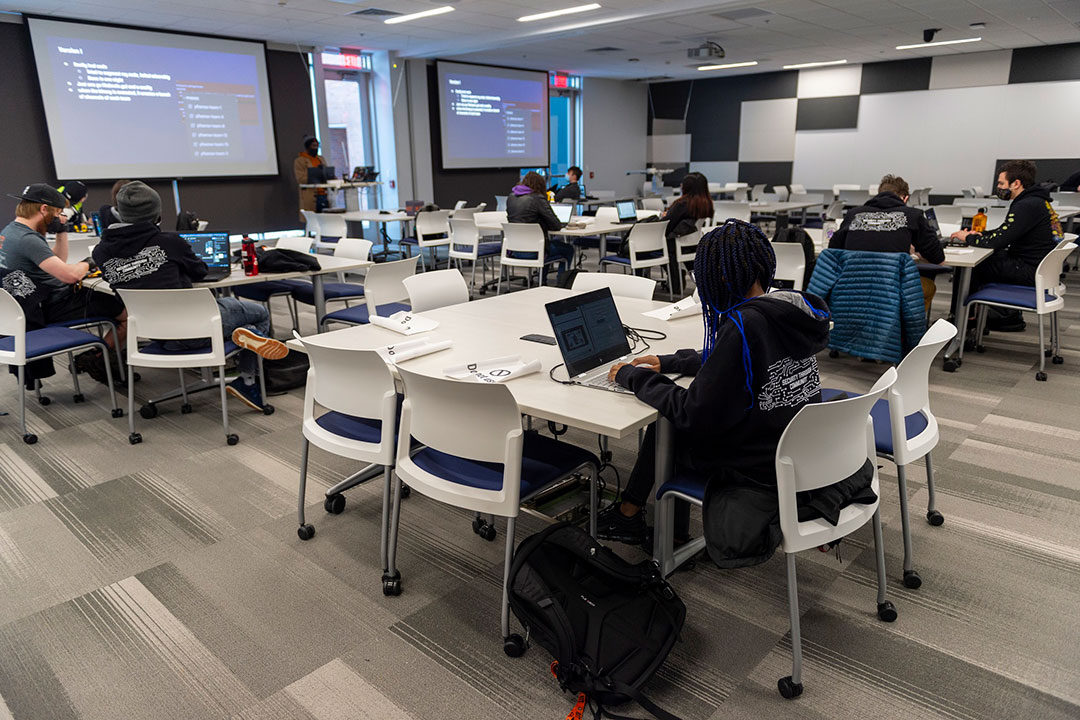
<point x="768" y="173"/>
<point x="236" y="205"/>
<point x="1053" y="170"/>
<point x="896" y="76"/>
<point x="829" y="113"/>
<point x="667" y="100"/>
<point x="473" y="186"/>
<point x="1045" y="64"/>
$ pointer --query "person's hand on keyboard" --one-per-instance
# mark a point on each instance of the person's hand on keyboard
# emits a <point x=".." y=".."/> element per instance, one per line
<point x="649" y="362"/>
<point x="615" y="371"/>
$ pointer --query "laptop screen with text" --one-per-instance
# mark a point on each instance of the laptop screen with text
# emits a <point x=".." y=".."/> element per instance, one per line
<point x="588" y="330"/>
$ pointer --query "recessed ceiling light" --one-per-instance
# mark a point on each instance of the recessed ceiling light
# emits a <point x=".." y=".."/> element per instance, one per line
<point x="418" y="15"/>
<point x="728" y="66"/>
<point x="557" y="13"/>
<point x="815" y="64"/>
<point x="940" y="42"/>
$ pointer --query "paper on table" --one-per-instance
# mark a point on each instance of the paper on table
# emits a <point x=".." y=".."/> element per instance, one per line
<point x="402" y="351"/>
<point x="959" y="251"/>
<point x="683" y="308"/>
<point x="405" y="322"/>
<point x="494" y="370"/>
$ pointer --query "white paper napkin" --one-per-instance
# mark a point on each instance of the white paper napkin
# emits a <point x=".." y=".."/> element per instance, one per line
<point x="683" y="308"/>
<point x="494" y="370"/>
<point x="409" y="349"/>
<point x="405" y="322"/>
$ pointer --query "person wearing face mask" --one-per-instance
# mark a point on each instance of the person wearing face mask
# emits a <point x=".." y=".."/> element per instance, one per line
<point x="1030" y="231"/>
<point x="24" y="248"/>
<point x="75" y="193"/>
<point x="310" y="198"/>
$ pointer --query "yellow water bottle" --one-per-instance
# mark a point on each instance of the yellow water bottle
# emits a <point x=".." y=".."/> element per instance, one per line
<point x="978" y="223"/>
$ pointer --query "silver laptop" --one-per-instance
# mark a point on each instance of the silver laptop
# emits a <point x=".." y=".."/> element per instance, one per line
<point x="591" y="338"/>
<point x="627" y="210"/>
<point x="563" y="212"/>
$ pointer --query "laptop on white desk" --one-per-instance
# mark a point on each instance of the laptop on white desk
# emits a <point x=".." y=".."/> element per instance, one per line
<point x="591" y="338"/>
<point x="212" y="249"/>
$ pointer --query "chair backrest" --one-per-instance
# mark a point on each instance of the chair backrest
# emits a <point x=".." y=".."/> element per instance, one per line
<point x="297" y="244"/>
<point x="523" y="238"/>
<point x="968" y="192"/>
<point x="741" y="194"/>
<point x="837" y="188"/>
<point x="353" y="248"/>
<point x="620" y="284"/>
<point x="490" y="218"/>
<point x="332" y="225"/>
<point x="1048" y="274"/>
<point x="464" y="238"/>
<point x="949" y="214"/>
<point x="648" y="237"/>
<point x="995" y="216"/>
<point x="686" y="245"/>
<point x="799" y="189"/>
<point x="924" y="195"/>
<point x="173" y="315"/>
<point x="436" y="289"/>
<point x="835" y="210"/>
<point x="13" y="323"/>
<point x="725" y="210"/>
<point x="467" y="213"/>
<point x="500" y="203"/>
<point x="431" y="414"/>
<point x="873" y="190"/>
<point x="385" y="282"/>
<point x="607" y="214"/>
<point x="978" y="190"/>
<point x="911" y="392"/>
<point x="854" y="197"/>
<point x="433" y="226"/>
<point x="651" y="203"/>
<point x="349" y="381"/>
<point x="806" y="198"/>
<point x="716" y="188"/>
<point x="782" y="193"/>
<point x="458" y="205"/>
<point x="757" y="191"/>
<point x="790" y="263"/>
<point x="311" y="221"/>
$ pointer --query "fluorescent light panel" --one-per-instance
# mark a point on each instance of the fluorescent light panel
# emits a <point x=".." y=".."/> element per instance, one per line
<point x="728" y="66"/>
<point x="417" y="16"/>
<point x="557" y="13"/>
<point x="935" y="44"/>
<point x="815" y="64"/>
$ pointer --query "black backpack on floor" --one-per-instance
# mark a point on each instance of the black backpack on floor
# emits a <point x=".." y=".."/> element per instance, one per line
<point x="609" y="624"/>
<point x="288" y="373"/>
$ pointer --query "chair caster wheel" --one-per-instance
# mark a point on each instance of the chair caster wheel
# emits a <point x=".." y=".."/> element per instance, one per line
<point x="1040" y="376"/>
<point x="305" y="532"/>
<point x="483" y="529"/>
<point x="80" y="398"/>
<point x="980" y="349"/>
<point x="268" y="409"/>
<point x="134" y="438"/>
<point x="117" y="413"/>
<point x="886" y="611"/>
<point x="137" y="376"/>
<point x="1057" y="360"/>
<point x="334" y="504"/>
<point x="514" y="646"/>
<point x="834" y="353"/>
<point x="912" y="581"/>
<point x="148" y="411"/>
<point x="935" y="518"/>
<point x="406" y="491"/>
<point x="788" y="690"/>
<point x="44" y="400"/>
<point x="391" y="584"/>
<point x="1048" y="353"/>
<point x="950" y="365"/>
<point x="185" y="409"/>
<point x="232" y="438"/>
<point x="29" y="438"/>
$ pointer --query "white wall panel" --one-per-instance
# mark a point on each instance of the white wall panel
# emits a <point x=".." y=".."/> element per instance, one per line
<point x="767" y="130"/>
<point x="945" y="138"/>
<point x="668" y="149"/>
<point x="830" y="82"/>
<point x="970" y="70"/>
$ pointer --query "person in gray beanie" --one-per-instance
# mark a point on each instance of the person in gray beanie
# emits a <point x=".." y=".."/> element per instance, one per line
<point x="135" y="254"/>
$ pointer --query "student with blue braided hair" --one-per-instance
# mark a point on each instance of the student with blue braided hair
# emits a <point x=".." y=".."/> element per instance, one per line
<point x="756" y="370"/>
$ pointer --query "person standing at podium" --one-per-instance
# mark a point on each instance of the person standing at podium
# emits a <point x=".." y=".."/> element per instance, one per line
<point x="310" y="198"/>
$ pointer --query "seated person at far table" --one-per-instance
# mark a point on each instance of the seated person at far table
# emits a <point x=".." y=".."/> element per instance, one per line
<point x="23" y="248"/>
<point x="135" y="254"/>
<point x="528" y="203"/>
<point x="571" y="191"/>
<point x="886" y="224"/>
<point x="757" y="369"/>
<point x="1030" y="231"/>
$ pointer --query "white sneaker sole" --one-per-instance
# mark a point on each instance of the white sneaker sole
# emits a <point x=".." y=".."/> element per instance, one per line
<point x="266" y="348"/>
<point x="239" y="396"/>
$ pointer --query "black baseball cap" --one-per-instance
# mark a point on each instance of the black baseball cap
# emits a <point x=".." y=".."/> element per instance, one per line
<point x="74" y="191"/>
<point x="42" y="193"/>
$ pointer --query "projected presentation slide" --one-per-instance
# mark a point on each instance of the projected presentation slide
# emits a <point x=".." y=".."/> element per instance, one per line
<point x="492" y="117"/>
<point x="133" y="103"/>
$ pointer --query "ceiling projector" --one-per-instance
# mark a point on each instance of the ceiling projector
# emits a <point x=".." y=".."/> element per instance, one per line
<point x="706" y="51"/>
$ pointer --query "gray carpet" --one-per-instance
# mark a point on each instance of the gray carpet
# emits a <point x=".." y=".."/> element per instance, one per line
<point x="166" y="580"/>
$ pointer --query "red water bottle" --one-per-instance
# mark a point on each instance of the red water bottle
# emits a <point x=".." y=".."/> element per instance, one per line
<point x="247" y="255"/>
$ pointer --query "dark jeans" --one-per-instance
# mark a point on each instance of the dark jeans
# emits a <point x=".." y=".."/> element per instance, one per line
<point x="234" y="314"/>
<point x="322" y="202"/>
<point x="639" y="486"/>
<point x="1002" y="268"/>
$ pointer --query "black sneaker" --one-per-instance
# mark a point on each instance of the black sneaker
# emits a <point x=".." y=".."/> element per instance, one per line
<point x="92" y="362"/>
<point x="611" y="524"/>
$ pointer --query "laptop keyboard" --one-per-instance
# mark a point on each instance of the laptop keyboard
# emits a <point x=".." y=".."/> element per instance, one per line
<point x="602" y="382"/>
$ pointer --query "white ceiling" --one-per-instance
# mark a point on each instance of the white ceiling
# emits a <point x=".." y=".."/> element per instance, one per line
<point x="656" y="33"/>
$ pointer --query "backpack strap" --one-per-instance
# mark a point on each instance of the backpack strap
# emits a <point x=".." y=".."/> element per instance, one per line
<point x="646" y="704"/>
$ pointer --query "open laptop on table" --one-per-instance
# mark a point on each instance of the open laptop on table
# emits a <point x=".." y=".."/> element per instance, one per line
<point x="212" y="249"/>
<point x="563" y="212"/>
<point x="591" y="338"/>
<point x="627" y="211"/>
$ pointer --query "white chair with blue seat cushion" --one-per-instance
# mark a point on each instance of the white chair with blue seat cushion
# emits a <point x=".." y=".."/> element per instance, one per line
<point x="19" y="345"/>
<point x="190" y="314"/>
<point x="465" y="245"/>
<point x="647" y="245"/>
<point x="384" y="293"/>
<point x="332" y="227"/>
<point x="433" y="232"/>
<point x="1042" y="299"/>
<point x="436" y="289"/>
<point x="357" y="419"/>
<point x="823" y="444"/>
<point x="105" y="326"/>
<point x="487" y="465"/>
<point x="905" y="429"/>
<point x="523" y="246"/>
<point x="631" y="286"/>
<point x="303" y="291"/>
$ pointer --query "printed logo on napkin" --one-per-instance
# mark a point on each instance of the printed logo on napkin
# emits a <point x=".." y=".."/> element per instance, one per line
<point x="494" y="370"/>
<point x="405" y="322"/>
